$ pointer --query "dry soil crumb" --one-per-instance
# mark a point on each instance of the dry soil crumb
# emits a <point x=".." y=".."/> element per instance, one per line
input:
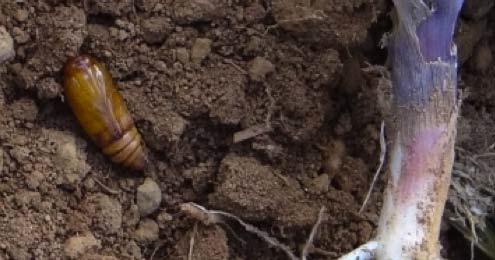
<point x="77" y="246"/>
<point x="341" y="22"/>
<point x="105" y="213"/>
<point x="256" y="192"/>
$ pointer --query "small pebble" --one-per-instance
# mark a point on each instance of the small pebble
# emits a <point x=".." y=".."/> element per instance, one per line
<point x="21" y="15"/>
<point x="259" y="67"/>
<point x="200" y="50"/>
<point x="147" y="231"/>
<point x="149" y="197"/>
<point x="182" y="55"/>
<point x="7" y="51"/>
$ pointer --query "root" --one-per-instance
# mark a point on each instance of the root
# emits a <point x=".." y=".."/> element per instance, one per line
<point x="210" y="217"/>
<point x="317" y="15"/>
<point x="383" y="151"/>
<point x="314" y="230"/>
<point x="235" y="66"/>
<point x="192" y="241"/>
<point x="106" y="188"/>
<point x="475" y="239"/>
<point x="157" y="247"/>
<point x="470" y="203"/>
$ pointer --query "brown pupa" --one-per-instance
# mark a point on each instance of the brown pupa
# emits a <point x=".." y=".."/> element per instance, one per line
<point x="101" y="111"/>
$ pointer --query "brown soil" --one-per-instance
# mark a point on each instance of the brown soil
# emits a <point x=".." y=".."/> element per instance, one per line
<point x="194" y="73"/>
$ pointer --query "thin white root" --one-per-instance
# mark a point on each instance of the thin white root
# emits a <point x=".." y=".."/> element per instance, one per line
<point x="472" y="225"/>
<point x="364" y="252"/>
<point x="383" y="152"/>
<point x="311" y="238"/>
<point x="210" y="217"/>
<point x="105" y="187"/>
<point x="192" y="241"/>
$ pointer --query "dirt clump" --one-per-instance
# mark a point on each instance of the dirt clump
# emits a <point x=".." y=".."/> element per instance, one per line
<point x="69" y="158"/>
<point x="187" y="12"/>
<point x="156" y="29"/>
<point x="334" y="22"/>
<point x="212" y="93"/>
<point x="103" y="212"/>
<point x="77" y="246"/>
<point x="200" y="49"/>
<point x="109" y="7"/>
<point x="257" y="192"/>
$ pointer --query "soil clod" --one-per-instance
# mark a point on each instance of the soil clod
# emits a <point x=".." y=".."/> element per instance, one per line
<point x="148" y="197"/>
<point x="78" y="245"/>
<point x="147" y="231"/>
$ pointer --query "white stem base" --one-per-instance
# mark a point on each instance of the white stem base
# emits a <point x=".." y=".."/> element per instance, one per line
<point x="415" y="195"/>
<point x="364" y="252"/>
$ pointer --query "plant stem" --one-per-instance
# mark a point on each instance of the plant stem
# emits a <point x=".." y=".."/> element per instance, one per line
<point x="423" y="127"/>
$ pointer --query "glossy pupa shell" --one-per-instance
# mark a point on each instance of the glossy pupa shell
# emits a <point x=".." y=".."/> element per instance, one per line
<point x="101" y="111"/>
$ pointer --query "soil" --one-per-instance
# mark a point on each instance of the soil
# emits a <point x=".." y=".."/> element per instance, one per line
<point x="264" y="109"/>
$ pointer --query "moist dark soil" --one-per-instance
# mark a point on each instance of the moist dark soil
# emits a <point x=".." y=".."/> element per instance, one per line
<point x="268" y="110"/>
